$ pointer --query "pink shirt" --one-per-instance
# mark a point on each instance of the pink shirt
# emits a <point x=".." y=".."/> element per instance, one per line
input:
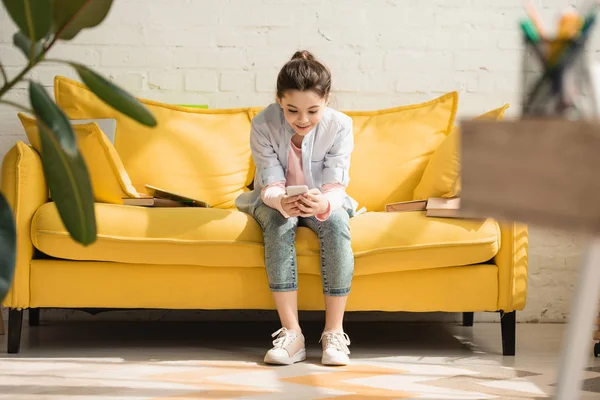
<point x="272" y="194"/>
<point x="295" y="174"/>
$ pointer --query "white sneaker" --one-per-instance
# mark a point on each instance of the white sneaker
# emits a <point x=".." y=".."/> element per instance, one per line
<point x="335" y="348"/>
<point x="288" y="348"/>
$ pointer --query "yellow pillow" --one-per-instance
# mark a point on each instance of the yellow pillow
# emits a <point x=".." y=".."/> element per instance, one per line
<point x="109" y="179"/>
<point x="441" y="178"/>
<point x="496" y="114"/>
<point x="200" y="153"/>
<point x="392" y="148"/>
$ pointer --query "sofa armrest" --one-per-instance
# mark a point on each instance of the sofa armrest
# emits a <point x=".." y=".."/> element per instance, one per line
<point x="25" y="188"/>
<point x="512" y="262"/>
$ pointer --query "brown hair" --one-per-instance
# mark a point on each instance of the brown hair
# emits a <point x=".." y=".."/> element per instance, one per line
<point x="303" y="72"/>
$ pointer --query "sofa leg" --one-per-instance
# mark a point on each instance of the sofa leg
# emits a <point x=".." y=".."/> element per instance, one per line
<point x="15" y="323"/>
<point x="508" y="322"/>
<point x="468" y="318"/>
<point x="34" y="317"/>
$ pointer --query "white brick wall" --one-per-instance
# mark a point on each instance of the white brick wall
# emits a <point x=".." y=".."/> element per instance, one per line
<point x="382" y="54"/>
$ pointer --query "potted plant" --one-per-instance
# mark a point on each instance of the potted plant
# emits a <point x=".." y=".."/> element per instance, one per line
<point x="41" y="25"/>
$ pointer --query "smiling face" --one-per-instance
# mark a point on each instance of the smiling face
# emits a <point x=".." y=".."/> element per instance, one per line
<point x="302" y="109"/>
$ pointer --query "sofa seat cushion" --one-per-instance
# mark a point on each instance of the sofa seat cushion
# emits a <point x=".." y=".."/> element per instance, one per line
<point x="403" y="241"/>
<point x="181" y="235"/>
<point x="382" y="242"/>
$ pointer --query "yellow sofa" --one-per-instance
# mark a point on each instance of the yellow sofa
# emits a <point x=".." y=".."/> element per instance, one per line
<point x="198" y="258"/>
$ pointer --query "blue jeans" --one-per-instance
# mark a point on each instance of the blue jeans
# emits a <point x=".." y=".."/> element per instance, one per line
<point x="337" y="258"/>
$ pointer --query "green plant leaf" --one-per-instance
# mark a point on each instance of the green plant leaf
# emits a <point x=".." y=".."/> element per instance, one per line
<point x="64" y="168"/>
<point x="115" y="96"/>
<point x="33" y="17"/>
<point x="23" y="43"/>
<point x="8" y="246"/>
<point x="56" y="121"/>
<point x="70" y="187"/>
<point x="71" y="16"/>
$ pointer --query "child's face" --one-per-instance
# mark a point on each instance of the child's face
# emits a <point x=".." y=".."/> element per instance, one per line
<point x="302" y="110"/>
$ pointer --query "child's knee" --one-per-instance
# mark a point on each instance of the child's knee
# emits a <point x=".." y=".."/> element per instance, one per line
<point x="270" y="218"/>
<point x="338" y="221"/>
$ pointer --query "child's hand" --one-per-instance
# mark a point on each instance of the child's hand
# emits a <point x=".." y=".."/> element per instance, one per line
<point x="312" y="203"/>
<point x="290" y="205"/>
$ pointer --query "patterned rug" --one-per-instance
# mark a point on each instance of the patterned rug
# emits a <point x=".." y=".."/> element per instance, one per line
<point x="380" y="378"/>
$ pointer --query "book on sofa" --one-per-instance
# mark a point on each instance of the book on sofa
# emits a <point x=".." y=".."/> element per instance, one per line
<point x="153" y="202"/>
<point x="164" y="198"/>
<point x="433" y="207"/>
<point x="443" y="207"/>
<point x="414" y="205"/>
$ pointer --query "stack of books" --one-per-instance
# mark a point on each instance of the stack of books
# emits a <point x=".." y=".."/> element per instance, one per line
<point x="433" y="207"/>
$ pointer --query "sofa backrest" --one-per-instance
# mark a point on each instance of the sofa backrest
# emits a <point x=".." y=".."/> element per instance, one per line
<point x="205" y="153"/>
<point x="392" y="148"/>
<point x="200" y="153"/>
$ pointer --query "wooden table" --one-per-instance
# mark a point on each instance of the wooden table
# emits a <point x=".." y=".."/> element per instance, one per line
<point x="542" y="172"/>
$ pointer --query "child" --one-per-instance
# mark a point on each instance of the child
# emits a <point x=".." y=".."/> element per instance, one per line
<point x="301" y="141"/>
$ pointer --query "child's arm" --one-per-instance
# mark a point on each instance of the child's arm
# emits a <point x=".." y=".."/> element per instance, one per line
<point x="337" y="160"/>
<point x="334" y="193"/>
<point x="335" y="173"/>
<point x="268" y="167"/>
<point x="272" y="194"/>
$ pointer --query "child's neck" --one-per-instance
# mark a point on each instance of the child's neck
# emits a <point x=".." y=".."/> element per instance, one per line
<point x="297" y="140"/>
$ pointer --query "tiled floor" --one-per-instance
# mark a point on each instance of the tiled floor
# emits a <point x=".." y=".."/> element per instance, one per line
<point x="148" y="360"/>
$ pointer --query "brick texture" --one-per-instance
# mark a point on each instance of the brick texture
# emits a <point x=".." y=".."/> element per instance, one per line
<point x="381" y="53"/>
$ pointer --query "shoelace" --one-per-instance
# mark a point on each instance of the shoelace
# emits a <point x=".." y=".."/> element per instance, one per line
<point x="282" y="334"/>
<point x="339" y="340"/>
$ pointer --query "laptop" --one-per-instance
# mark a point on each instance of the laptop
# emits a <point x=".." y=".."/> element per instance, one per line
<point x="166" y="194"/>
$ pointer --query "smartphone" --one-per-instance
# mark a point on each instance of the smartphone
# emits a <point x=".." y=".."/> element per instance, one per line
<point x="296" y="190"/>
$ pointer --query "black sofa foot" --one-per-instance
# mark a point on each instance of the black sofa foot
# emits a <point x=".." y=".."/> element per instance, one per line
<point x="508" y="322"/>
<point x="468" y="318"/>
<point x="34" y="317"/>
<point x="15" y="324"/>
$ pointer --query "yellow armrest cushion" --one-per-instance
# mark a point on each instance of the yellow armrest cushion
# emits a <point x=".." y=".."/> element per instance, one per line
<point x="441" y="177"/>
<point x="393" y="146"/>
<point x="110" y="181"/>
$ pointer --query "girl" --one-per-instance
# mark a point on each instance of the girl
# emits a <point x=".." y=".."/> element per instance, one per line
<point x="299" y="140"/>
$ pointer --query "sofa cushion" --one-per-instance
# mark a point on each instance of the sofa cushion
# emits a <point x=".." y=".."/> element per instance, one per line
<point x="392" y="148"/>
<point x="382" y="242"/>
<point x="403" y="241"/>
<point x="441" y="177"/>
<point x="161" y="235"/>
<point x="110" y="181"/>
<point x="200" y="153"/>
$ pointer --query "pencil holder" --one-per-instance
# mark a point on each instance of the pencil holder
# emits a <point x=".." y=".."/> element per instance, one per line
<point x="556" y="80"/>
